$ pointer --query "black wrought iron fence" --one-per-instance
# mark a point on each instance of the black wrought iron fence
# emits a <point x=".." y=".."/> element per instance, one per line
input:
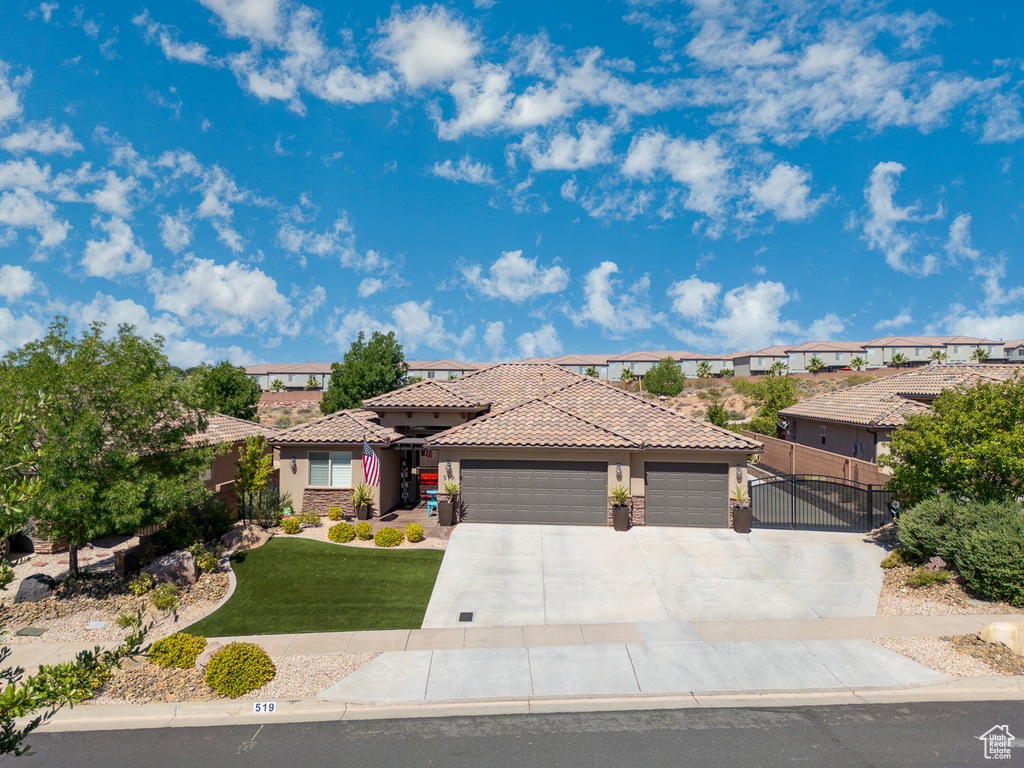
<point x="809" y="502"/>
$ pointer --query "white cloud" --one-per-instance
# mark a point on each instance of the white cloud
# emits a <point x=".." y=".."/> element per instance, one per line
<point x="17" y="331"/>
<point x="825" y="328"/>
<point x="958" y="244"/>
<point x="543" y="342"/>
<point x="693" y="298"/>
<point x="494" y="338"/>
<point x="901" y="320"/>
<point x="370" y="286"/>
<point x="47" y="9"/>
<point x="41" y="138"/>
<point x="227" y="298"/>
<point x="565" y="152"/>
<point x="20" y="208"/>
<point x="175" y="231"/>
<point x="295" y="237"/>
<point x="786" y="192"/>
<point x="700" y="166"/>
<point x="516" y="278"/>
<point x="416" y="327"/>
<point x="173" y="49"/>
<point x="609" y="305"/>
<point x="466" y="169"/>
<point x="11" y="89"/>
<point x="114" y="196"/>
<point x="881" y="228"/>
<point x="959" y="320"/>
<point x="16" y="282"/>
<point x="120" y="254"/>
<point x="258" y="19"/>
<point x="427" y="45"/>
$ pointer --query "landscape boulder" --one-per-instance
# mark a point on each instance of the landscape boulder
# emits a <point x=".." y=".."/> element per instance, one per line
<point x="245" y="537"/>
<point x="204" y="658"/>
<point x="34" y="588"/>
<point x="178" y="568"/>
<point x="1007" y="633"/>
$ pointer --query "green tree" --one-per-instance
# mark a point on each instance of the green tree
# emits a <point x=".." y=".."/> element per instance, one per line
<point x="971" y="446"/>
<point x="113" y="453"/>
<point x="979" y="355"/>
<point x="369" y="369"/>
<point x="717" y="415"/>
<point x="254" y="467"/>
<point x="311" y="384"/>
<point x="704" y="370"/>
<point x="898" y="360"/>
<point x="665" y="378"/>
<point x="939" y="356"/>
<point x="591" y="371"/>
<point x="223" y="388"/>
<point x="815" y="365"/>
<point x="858" y="362"/>
<point x="277" y="385"/>
<point x="770" y="394"/>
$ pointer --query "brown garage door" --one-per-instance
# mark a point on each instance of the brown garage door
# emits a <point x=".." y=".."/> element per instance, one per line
<point x="687" y="494"/>
<point x="556" y="492"/>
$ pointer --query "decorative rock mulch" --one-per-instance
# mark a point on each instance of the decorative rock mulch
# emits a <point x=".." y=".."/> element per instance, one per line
<point x="147" y="683"/>
<point x="997" y="656"/>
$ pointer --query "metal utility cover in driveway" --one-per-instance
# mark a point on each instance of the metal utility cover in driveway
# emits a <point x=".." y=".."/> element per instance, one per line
<point x="515" y="575"/>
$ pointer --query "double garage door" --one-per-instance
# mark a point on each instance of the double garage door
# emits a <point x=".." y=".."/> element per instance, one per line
<point x="576" y="492"/>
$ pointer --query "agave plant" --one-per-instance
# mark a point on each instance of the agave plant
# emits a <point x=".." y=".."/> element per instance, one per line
<point x="620" y="494"/>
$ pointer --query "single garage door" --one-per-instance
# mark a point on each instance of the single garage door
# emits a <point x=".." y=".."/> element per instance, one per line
<point x="687" y="494"/>
<point x="557" y="492"/>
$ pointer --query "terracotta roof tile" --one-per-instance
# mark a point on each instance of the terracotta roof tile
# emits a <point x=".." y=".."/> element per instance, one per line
<point x="829" y="346"/>
<point x="429" y="393"/>
<point x="342" y="427"/>
<point x="265" y="368"/>
<point x="228" y="429"/>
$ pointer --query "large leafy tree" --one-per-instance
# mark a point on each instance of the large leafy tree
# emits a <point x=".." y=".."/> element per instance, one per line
<point x="970" y="446"/>
<point x="223" y="388"/>
<point x="370" y="368"/>
<point x="665" y="378"/>
<point x="770" y="394"/>
<point x="113" y="453"/>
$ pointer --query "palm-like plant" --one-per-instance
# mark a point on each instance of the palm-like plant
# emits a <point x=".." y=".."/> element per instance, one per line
<point x="778" y="368"/>
<point x="815" y="365"/>
<point x="591" y="371"/>
<point x="939" y="356"/>
<point x="726" y="373"/>
<point x="703" y="370"/>
<point x="312" y="383"/>
<point x="858" y="362"/>
<point x="626" y="375"/>
<point x="979" y="355"/>
<point x="898" y="360"/>
<point x="277" y="385"/>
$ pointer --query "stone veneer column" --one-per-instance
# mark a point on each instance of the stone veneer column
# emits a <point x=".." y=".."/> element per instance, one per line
<point x="319" y="500"/>
<point x="638" y="515"/>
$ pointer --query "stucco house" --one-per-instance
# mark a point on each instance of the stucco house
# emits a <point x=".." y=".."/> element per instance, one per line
<point x="220" y="430"/>
<point x="918" y="350"/>
<point x="859" y="421"/>
<point x="759" y="362"/>
<point x="834" y="355"/>
<point x="639" y="363"/>
<point x="529" y="443"/>
<point x="294" y="376"/>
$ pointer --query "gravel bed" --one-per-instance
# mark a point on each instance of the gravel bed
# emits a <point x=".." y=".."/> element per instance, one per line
<point x="940" y="654"/>
<point x="320" y="534"/>
<point x="96" y="557"/>
<point x="951" y="598"/>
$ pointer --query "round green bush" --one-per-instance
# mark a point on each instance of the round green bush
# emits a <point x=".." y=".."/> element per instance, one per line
<point x="177" y="650"/>
<point x="991" y="562"/>
<point x="388" y="537"/>
<point x="334" y="513"/>
<point x="238" y="668"/>
<point x="414" y="532"/>
<point x="930" y="528"/>
<point x="364" y="532"/>
<point x="341" y="533"/>
<point x="291" y="525"/>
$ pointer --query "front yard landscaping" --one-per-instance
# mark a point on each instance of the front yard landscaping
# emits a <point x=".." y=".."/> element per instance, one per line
<point x="297" y="585"/>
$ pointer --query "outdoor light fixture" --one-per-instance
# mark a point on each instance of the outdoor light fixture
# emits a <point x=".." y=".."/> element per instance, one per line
<point x="739" y="473"/>
<point x="295" y="465"/>
<point x="618" y="472"/>
<point x="448" y="466"/>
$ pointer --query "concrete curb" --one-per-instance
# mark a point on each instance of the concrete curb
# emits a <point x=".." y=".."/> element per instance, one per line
<point x="203" y="714"/>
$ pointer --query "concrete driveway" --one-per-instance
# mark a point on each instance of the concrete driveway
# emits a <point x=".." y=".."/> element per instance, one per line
<point x="514" y="575"/>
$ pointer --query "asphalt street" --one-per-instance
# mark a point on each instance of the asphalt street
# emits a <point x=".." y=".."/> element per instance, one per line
<point x="942" y="734"/>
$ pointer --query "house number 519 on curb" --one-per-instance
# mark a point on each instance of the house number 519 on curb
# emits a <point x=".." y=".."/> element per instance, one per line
<point x="263" y="707"/>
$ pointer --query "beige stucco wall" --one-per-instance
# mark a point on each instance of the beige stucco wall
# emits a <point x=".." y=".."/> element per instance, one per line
<point x="296" y="482"/>
<point x="839" y="438"/>
<point x="402" y="420"/>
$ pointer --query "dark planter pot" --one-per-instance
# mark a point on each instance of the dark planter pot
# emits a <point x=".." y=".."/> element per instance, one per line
<point x="447" y="513"/>
<point x="742" y="519"/>
<point x="363" y="513"/>
<point x="620" y="517"/>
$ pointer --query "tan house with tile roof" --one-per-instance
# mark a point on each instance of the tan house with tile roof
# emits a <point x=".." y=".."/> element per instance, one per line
<point x="220" y="430"/>
<point x="759" y="362"/>
<point x="833" y="354"/>
<point x="529" y="443"/>
<point x="294" y="376"/>
<point x="919" y="349"/>
<point x="639" y="363"/>
<point x="859" y="421"/>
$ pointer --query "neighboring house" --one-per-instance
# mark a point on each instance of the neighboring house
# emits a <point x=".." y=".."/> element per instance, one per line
<point x="859" y="422"/>
<point x="440" y="369"/>
<point x="639" y="363"/>
<point x="221" y="429"/>
<point x="580" y="364"/>
<point x="293" y="376"/>
<point x="833" y="354"/>
<point x="760" y="362"/>
<point x="529" y="443"/>
<point x="1014" y="351"/>
<point x="918" y="350"/>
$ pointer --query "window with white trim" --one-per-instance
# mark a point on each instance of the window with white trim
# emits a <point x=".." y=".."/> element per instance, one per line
<point x="330" y="470"/>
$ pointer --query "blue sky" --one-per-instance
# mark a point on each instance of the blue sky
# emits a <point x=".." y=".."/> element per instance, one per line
<point x="261" y="179"/>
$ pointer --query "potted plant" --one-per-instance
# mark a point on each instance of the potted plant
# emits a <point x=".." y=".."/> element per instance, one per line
<point x="447" y="509"/>
<point x="739" y="506"/>
<point x="362" y="500"/>
<point x="620" y="497"/>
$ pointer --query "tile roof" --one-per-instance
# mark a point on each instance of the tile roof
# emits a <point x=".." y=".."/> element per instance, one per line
<point x="504" y="384"/>
<point x="776" y="351"/>
<point x="228" y="429"/>
<point x="265" y="368"/>
<point x="441" y="365"/>
<point x="343" y="427"/>
<point x="429" y="393"/>
<point x="829" y="346"/>
<point x="925" y="341"/>
<point x="886" y="402"/>
<point x="588" y="413"/>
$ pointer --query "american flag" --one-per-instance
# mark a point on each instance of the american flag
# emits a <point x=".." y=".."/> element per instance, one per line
<point x="371" y="464"/>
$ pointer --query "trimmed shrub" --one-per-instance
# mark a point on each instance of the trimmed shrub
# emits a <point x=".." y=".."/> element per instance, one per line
<point x="991" y="562"/>
<point x="334" y="513"/>
<point x="897" y="558"/>
<point x="414" y="532"/>
<point x="922" y="577"/>
<point x="177" y="650"/>
<point x="141" y="584"/>
<point x="238" y="668"/>
<point x="291" y="525"/>
<point x="363" y="531"/>
<point x="388" y="537"/>
<point x="309" y="518"/>
<point x="341" y="533"/>
<point x="930" y="528"/>
<point x="165" y="597"/>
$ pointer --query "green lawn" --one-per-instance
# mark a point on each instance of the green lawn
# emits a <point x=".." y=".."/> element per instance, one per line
<point x="298" y="585"/>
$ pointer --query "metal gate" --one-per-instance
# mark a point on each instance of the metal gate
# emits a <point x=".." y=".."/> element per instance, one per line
<point x="814" y="503"/>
